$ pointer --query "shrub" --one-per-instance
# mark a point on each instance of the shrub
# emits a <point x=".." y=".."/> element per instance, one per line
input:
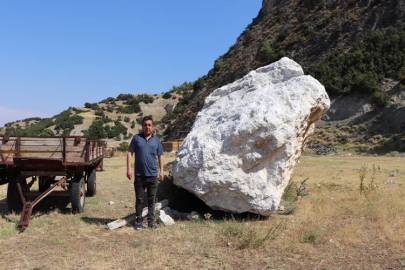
<point x="310" y="237"/>
<point x="123" y="147"/>
<point x="219" y="63"/>
<point x="380" y="99"/>
<point x="380" y="54"/>
<point x="124" y="97"/>
<point x="93" y="106"/>
<point x="167" y="95"/>
<point x="96" y="131"/>
<point x="107" y="100"/>
<point x="145" y="99"/>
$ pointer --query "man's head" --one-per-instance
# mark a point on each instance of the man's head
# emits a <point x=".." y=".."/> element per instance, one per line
<point x="147" y="125"/>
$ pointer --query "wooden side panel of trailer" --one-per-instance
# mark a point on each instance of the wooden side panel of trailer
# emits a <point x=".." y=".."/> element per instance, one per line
<point x="66" y="149"/>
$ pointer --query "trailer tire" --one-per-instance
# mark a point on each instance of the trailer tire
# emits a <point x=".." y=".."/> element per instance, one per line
<point x="14" y="201"/>
<point x="92" y="183"/>
<point x="78" y="193"/>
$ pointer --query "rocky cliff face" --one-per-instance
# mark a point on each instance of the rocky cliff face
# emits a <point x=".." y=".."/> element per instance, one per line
<point x="297" y="29"/>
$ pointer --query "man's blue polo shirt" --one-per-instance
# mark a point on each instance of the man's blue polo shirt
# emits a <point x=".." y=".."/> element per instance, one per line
<point x="145" y="154"/>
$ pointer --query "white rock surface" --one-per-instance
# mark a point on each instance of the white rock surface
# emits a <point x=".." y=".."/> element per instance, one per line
<point x="164" y="219"/>
<point x="240" y="154"/>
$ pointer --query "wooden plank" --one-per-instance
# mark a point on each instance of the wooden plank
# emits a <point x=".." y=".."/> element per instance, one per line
<point x="13" y="142"/>
<point x="8" y="147"/>
<point x="44" y="139"/>
<point x="41" y="148"/>
<point x="43" y="155"/>
<point x="40" y="143"/>
<point x="74" y="154"/>
<point x="79" y="148"/>
<point x="128" y="219"/>
<point x="74" y="159"/>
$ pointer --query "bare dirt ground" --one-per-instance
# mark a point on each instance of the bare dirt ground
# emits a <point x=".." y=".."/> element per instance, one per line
<point x="333" y="227"/>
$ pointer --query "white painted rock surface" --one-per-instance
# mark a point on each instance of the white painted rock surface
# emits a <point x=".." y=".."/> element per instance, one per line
<point x="240" y="154"/>
<point x="164" y="219"/>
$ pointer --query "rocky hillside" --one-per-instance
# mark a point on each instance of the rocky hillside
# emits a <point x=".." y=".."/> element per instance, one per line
<point x="114" y="119"/>
<point x="355" y="48"/>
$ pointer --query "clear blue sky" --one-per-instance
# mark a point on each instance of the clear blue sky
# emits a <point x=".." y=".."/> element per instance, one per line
<point x="56" y="54"/>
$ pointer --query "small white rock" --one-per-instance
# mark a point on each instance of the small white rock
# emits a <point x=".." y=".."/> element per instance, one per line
<point x="164" y="219"/>
<point x="111" y="203"/>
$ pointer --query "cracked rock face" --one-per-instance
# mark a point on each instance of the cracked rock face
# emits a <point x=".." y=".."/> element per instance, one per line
<point x="240" y="154"/>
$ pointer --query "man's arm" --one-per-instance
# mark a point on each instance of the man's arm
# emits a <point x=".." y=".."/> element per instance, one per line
<point x="161" y="175"/>
<point x="129" y="169"/>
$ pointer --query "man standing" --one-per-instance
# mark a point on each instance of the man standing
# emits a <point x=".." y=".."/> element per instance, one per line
<point x="146" y="147"/>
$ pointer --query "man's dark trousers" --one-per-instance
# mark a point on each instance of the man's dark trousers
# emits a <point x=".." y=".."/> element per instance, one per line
<point x="151" y="184"/>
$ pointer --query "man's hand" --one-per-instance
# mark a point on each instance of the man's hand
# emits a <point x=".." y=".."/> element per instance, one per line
<point x="161" y="177"/>
<point x="129" y="174"/>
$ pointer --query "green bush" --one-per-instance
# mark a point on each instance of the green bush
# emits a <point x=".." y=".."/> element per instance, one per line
<point x="124" y="97"/>
<point x="96" y="131"/>
<point x="93" y="106"/>
<point x="380" y="54"/>
<point x="145" y="99"/>
<point x="107" y="100"/>
<point x="380" y="99"/>
<point x="167" y="95"/>
<point x="219" y="63"/>
<point x="123" y="147"/>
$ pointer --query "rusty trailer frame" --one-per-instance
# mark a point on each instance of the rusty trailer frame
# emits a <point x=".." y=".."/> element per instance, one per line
<point x="43" y="158"/>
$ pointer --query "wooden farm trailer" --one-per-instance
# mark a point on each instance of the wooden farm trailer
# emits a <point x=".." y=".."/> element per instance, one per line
<point x="67" y="162"/>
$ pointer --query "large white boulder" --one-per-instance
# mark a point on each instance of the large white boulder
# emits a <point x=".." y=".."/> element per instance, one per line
<point x="243" y="146"/>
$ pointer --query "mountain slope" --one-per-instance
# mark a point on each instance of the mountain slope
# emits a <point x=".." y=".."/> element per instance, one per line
<point x="311" y="32"/>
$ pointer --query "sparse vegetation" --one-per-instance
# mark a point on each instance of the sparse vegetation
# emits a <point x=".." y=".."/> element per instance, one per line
<point x="382" y="52"/>
<point x="331" y="223"/>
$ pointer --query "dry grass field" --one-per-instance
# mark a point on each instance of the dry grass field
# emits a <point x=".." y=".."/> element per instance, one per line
<point x="333" y="227"/>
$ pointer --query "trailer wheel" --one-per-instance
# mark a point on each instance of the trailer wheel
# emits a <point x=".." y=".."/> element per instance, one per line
<point x="91" y="183"/>
<point x="78" y="193"/>
<point x="14" y="201"/>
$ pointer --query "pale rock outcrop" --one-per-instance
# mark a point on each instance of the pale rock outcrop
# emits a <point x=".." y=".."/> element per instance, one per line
<point x="240" y="154"/>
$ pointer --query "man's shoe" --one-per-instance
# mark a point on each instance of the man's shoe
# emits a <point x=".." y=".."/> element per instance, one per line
<point x="138" y="225"/>
<point x="152" y="226"/>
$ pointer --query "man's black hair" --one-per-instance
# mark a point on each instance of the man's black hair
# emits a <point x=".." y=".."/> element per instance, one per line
<point x="146" y="118"/>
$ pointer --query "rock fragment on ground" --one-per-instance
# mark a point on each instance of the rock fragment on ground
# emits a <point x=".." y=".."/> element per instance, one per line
<point x="240" y="154"/>
<point x="164" y="219"/>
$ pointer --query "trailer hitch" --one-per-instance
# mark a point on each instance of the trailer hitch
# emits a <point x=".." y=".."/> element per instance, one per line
<point x="28" y="205"/>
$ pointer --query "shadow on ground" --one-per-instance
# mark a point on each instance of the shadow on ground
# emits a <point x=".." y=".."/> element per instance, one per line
<point x="97" y="221"/>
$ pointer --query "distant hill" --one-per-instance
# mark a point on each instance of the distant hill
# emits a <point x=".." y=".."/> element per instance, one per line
<point x="112" y="119"/>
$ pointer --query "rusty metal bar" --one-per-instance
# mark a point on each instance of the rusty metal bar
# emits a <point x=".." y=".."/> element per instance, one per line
<point x="52" y="194"/>
<point x="28" y="206"/>
<point x="18" y="145"/>
<point x="43" y="173"/>
<point x="1" y="156"/>
<point x="64" y="150"/>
